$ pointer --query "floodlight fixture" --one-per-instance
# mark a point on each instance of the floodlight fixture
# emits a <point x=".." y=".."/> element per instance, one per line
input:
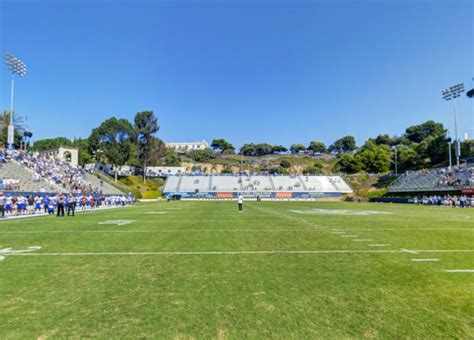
<point x="452" y="93"/>
<point x="15" y="65"/>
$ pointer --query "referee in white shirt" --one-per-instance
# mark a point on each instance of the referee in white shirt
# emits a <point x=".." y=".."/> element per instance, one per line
<point x="241" y="203"/>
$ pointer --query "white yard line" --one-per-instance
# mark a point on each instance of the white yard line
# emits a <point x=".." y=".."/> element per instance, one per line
<point x="408" y="229"/>
<point x="9" y="217"/>
<point x="425" y="260"/>
<point x="254" y="252"/>
<point x="160" y="231"/>
<point x="459" y="270"/>
<point x="409" y="251"/>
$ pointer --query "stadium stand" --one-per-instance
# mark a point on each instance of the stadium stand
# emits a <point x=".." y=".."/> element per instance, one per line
<point x="228" y="186"/>
<point x="434" y="180"/>
<point x="24" y="172"/>
<point x="226" y="183"/>
<point x="193" y="183"/>
<point x="25" y="179"/>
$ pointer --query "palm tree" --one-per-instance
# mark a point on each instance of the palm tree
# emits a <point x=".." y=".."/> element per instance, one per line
<point x="19" y="124"/>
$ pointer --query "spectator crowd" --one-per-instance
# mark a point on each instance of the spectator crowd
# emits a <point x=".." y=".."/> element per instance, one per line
<point x="451" y="177"/>
<point x="462" y="201"/>
<point x="58" y="174"/>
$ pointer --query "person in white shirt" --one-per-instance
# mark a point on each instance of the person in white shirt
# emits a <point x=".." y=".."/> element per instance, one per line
<point x="241" y="203"/>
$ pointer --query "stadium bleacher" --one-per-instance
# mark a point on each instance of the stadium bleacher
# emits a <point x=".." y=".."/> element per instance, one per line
<point x="34" y="173"/>
<point x="25" y="178"/>
<point x="434" y="180"/>
<point x="252" y="185"/>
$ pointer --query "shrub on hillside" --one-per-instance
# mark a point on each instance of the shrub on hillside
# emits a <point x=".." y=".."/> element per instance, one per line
<point x="137" y="193"/>
<point x="152" y="194"/>
<point x="312" y="170"/>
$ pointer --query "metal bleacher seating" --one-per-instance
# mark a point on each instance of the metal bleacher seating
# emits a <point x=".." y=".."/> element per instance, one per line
<point x="432" y="180"/>
<point x="28" y="182"/>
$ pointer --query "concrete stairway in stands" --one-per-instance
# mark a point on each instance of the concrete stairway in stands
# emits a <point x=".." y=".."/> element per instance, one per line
<point x="97" y="184"/>
<point x="302" y="183"/>
<point x="178" y="187"/>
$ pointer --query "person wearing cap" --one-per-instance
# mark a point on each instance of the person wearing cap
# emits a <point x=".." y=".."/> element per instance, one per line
<point x="2" y="204"/>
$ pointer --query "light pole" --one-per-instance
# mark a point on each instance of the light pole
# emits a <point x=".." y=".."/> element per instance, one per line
<point x="16" y="66"/>
<point x="451" y="94"/>
<point x="394" y="148"/>
<point x="449" y="153"/>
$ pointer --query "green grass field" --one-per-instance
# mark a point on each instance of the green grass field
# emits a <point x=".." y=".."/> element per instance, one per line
<point x="201" y="270"/>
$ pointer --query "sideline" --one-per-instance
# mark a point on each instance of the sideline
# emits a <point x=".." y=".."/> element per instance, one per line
<point x="254" y="252"/>
<point x="8" y="218"/>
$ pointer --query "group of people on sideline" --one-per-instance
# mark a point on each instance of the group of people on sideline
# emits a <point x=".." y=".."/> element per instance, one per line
<point x="59" y="204"/>
<point x="462" y="201"/>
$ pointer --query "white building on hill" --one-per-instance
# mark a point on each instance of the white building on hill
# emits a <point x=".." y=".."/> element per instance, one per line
<point x="183" y="147"/>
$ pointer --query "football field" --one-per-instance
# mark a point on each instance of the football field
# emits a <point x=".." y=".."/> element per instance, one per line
<point x="184" y="270"/>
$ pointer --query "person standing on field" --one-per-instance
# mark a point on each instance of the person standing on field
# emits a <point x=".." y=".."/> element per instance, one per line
<point x="241" y="203"/>
<point x="60" y="202"/>
<point x="3" y="202"/>
<point x="71" y="205"/>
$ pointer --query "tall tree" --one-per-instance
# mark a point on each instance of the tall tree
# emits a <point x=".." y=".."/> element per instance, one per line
<point x="407" y="157"/>
<point x="248" y="149"/>
<point x="114" y="139"/>
<point x="263" y="149"/>
<point x="279" y="149"/>
<point x="297" y="148"/>
<point x="316" y="147"/>
<point x="375" y="158"/>
<point x="343" y="145"/>
<point x="146" y="125"/>
<point x="417" y="133"/>
<point x="51" y="143"/>
<point x="371" y="158"/>
<point x="221" y="145"/>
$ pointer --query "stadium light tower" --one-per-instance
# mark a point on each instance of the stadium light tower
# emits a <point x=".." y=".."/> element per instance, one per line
<point x="17" y="67"/>
<point x="451" y="94"/>
<point x="394" y="148"/>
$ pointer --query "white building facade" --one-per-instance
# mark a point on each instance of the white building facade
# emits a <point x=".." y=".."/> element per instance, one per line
<point x="183" y="147"/>
<point x="63" y="154"/>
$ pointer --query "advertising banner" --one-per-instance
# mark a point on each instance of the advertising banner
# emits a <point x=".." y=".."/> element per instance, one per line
<point x="224" y="195"/>
<point x="280" y="194"/>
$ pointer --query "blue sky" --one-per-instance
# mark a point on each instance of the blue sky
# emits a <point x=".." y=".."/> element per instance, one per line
<point x="249" y="71"/>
